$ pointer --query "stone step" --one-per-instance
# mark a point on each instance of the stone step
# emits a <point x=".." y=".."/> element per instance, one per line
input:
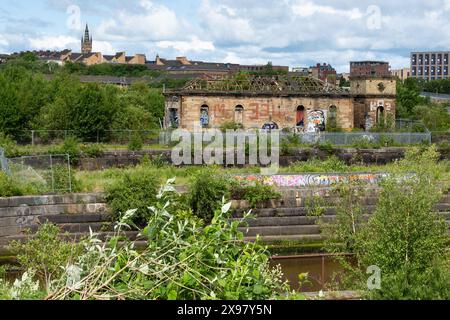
<point x="53" y="209"/>
<point x="75" y="218"/>
<point x="279" y="221"/>
<point x="292" y="212"/>
<point x="81" y="227"/>
<point x="75" y="198"/>
<point x="131" y="235"/>
<point x="304" y="211"/>
<point x="274" y="239"/>
<point x="280" y="230"/>
<point x="300" y="220"/>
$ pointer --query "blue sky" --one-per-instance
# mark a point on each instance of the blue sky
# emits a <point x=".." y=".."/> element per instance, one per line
<point x="287" y="32"/>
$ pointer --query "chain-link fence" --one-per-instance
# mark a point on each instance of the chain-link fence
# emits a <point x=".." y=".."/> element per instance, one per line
<point x="349" y="138"/>
<point x="119" y="137"/>
<point x="44" y="173"/>
<point x="123" y="138"/>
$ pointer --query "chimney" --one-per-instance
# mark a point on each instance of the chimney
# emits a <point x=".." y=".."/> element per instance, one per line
<point x="183" y="60"/>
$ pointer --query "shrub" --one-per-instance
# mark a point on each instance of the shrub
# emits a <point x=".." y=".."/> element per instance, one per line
<point x="136" y="143"/>
<point x="255" y="194"/>
<point x="407" y="241"/>
<point x="93" y="150"/>
<point x="326" y="146"/>
<point x="134" y="189"/>
<point x="404" y="237"/>
<point x="70" y="146"/>
<point x="8" y="188"/>
<point x="9" y="145"/>
<point x="46" y="253"/>
<point x="206" y="192"/>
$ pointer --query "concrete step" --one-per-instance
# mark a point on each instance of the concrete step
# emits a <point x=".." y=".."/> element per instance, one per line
<point x="280" y="230"/>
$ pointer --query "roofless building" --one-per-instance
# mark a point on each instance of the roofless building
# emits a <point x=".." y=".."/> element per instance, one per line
<point x="293" y="102"/>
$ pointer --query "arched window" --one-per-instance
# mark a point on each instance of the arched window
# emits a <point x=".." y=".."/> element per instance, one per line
<point x="204" y="116"/>
<point x="300" y="122"/>
<point x="380" y="114"/>
<point x="332" y="117"/>
<point x="239" y="114"/>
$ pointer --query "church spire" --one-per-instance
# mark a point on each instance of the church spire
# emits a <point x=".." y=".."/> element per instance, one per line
<point x="86" y="41"/>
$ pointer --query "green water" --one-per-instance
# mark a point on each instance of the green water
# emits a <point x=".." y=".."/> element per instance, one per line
<point x="321" y="270"/>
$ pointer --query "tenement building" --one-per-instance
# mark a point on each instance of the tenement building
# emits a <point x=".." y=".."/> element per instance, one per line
<point x="430" y="65"/>
<point x="301" y="104"/>
<point x="369" y="69"/>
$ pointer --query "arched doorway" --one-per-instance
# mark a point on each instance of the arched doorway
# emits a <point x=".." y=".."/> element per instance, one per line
<point x="300" y="118"/>
<point x="204" y="116"/>
<point x="380" y="115"/>
<point x="239" y="115"/>
<point x="332" y="118"/>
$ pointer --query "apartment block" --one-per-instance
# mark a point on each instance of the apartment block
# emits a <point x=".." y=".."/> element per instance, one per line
<point x="432" y="65"/>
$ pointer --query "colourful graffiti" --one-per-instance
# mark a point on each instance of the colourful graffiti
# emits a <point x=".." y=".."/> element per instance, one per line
<point x="316" y="121"/>
<point x="310" y="180"/>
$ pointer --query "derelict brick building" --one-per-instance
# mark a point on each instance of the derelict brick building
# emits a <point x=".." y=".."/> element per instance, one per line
<point x="293" y="102"/>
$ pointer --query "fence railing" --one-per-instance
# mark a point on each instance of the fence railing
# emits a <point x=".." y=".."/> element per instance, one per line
<point x="120" y="137"/>
<point x="42" y="173"/>
<point x="163" y="137"/>
<point x="349" y="138"/>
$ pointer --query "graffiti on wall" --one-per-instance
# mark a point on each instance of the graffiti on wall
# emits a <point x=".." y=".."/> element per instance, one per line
<point x="316" y="121"/>
<point x="374" y="105"/>
<point x="204" y="117"/>
<point x="310" y="180"/>
<point x="254" y="111"/>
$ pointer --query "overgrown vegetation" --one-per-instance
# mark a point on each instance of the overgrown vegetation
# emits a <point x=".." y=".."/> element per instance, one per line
<point x="410" y="105"/>
<point x="206" y="192"/>
<point x="89" y="111"/>
<point x="404" y="237"/>
<point x="133" y="189"/>
<point x="182" y="260"/>
<point x="46" y="254"/>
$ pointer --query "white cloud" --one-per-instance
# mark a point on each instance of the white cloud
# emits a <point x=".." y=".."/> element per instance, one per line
<point x="150" y="22"/>
<point x="194" y="45"/>
<point x="446" y="4"/>
<point x="222" y="23"/>
<point x="52" y="42"/>
<point x="3" y="41"/>
<point x="104" y="47"/>
<point x="309" y="8"/>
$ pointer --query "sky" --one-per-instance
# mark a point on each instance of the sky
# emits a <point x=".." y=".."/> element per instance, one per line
<point x="297" y="33"/>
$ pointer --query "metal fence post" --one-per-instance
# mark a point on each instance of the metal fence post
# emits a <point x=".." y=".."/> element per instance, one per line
<point x="70" y="173"/>
<point x="53" y="174"/>
<point x="32" y="138"/>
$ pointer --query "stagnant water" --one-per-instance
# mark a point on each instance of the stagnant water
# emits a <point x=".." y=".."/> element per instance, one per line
<point x="320" y="269"/>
